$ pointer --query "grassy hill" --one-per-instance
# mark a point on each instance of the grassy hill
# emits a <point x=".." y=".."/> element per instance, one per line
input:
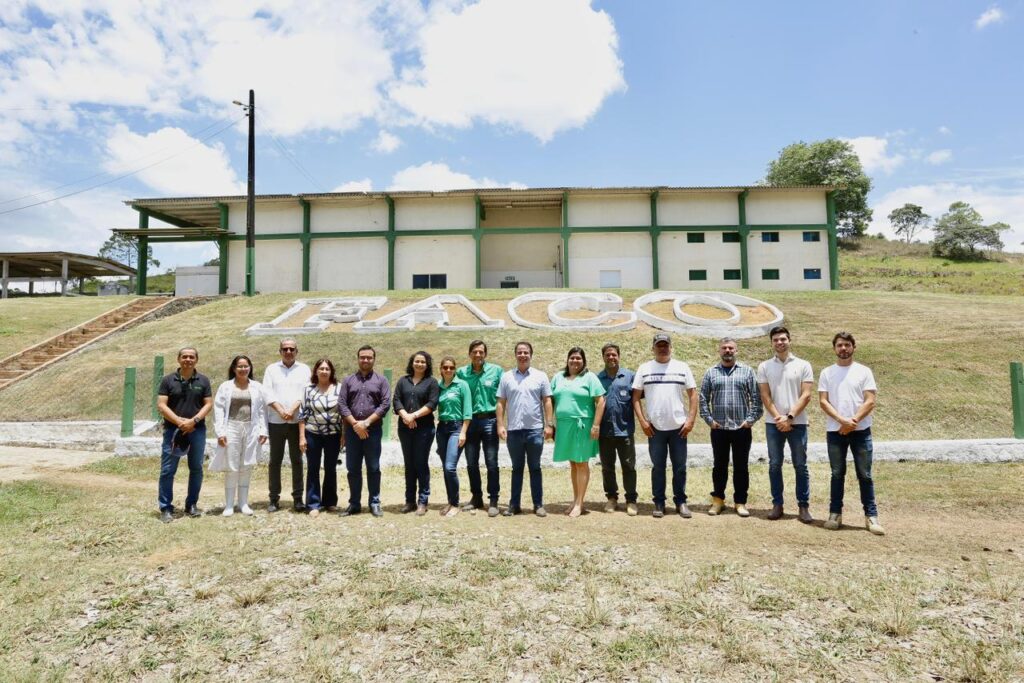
<point x="940" y="359"/>
<point x="27" y="321"/>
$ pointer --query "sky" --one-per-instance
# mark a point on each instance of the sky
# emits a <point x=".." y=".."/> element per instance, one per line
<point x="136" y="99"/>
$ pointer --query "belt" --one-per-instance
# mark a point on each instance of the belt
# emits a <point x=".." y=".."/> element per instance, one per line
<point x="488" y="414"/>
<point x="443" y="423"/>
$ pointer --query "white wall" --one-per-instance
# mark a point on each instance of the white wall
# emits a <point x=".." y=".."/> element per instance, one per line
<point x="790" y="255"/>
<point x="452" y="255"/>
<point x="271" y="217"/>
<point x="196" y="280"/>
<point x="676" y="257"/>
<point x="521" y="218"/>
<point x="611" y="210"/>
<point x="278" y="266"/>
<point x="348" y="216"/>
<point x="435" y="213"/>
<point x="785" y="208"/>
<point x="350" y="263"/>
<point x="527" y="257"/>
<point x="627" y="252"/>
<point x="716" y="208"/>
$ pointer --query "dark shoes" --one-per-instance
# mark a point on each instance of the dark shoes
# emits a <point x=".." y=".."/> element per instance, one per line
<point x="473" y="504"/>
<point x="684" y="511"/>
<point x="299" y="506"/>
<point x="273" y="507"/>
<point x="193" y="511"/>
<point x="509" y="511"/>
<point x="659" y="511"/>
<point x="375" y="510"/>
<point x="351" y="510"/>
<point x="408" y="507"/>
<point x="166" y="516"/>
<point x="776" y="512"/>
<point x="805" y="515"/>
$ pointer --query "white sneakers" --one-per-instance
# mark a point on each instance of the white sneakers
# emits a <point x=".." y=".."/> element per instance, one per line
<point x="872" y="525"/>
<point x="741" y="510"/>
<point x="835" y="520"/>
<point x="228" y="511"/>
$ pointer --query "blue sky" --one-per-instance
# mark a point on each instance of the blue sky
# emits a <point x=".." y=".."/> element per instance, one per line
<point x="365" y="94"/>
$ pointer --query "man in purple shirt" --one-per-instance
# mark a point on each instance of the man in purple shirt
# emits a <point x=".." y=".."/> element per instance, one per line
<point x="363" y="401"/>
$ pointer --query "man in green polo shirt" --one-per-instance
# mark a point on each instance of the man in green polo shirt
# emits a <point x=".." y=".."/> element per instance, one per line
<point x="483" y="379"/>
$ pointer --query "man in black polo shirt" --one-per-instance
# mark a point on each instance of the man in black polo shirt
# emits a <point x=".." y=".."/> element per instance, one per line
<point x="184" y="399"/>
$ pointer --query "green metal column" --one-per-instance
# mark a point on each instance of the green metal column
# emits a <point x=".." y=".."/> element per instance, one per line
<point x="565" y="239"/>
<point x="1017" y="397"/>
<point x="655" y="233"/>
<point x="833" y="241"/>
<point x="391" y="241"/>
<point x="128" y="403"/>
<point x="143" y="258"/>
<point x="222" y="247"/>
<point x="305" y="244"/>
<point x="478" y="238"/>
<point x="744" y="236"/>
<point x="158" y="374"/>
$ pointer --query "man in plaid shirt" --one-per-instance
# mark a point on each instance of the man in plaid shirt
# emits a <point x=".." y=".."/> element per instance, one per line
<point x="730" y="403"/>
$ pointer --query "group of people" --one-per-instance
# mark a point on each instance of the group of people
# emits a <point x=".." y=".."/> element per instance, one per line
<point x="470" y="409"/>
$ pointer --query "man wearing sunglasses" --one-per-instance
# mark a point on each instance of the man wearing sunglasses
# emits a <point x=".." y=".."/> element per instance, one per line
<point x="284" y="383"/>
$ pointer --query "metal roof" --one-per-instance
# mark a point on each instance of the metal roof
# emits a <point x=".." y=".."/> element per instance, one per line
<point x="48" y="264"/>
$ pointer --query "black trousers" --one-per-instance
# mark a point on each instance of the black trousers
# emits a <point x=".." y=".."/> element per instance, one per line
<point x="279" y="434"/>
<point x="738" y="441"/>
<point x="623" y="446"/>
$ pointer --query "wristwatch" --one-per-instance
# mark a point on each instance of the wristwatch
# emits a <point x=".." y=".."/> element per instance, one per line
<point x="789" y="417"/>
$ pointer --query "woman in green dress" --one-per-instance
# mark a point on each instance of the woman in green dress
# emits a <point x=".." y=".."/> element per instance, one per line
<point x="579" y="405"/>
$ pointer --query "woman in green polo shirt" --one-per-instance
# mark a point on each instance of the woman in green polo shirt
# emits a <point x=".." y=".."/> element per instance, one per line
<point x="454" y="411"/>
<point x="579" y="406"/>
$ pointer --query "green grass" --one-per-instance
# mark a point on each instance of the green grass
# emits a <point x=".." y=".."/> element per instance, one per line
<point x="24" y="321"/>
<point x="97" y="588"/>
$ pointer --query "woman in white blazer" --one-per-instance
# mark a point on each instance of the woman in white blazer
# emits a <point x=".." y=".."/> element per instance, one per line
<point x="240" y="421"/>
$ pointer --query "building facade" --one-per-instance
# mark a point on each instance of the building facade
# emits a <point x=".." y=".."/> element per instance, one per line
<point x="590" y="238"/>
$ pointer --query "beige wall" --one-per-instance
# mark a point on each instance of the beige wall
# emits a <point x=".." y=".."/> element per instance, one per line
<point x="350" y="263"/>
<point x="698" y="209"/>
<point x="677" y="257"/>
<point x="452" y="255"/>
<point x="612" y="210"/>
<point x="522" y="218"/>
<point x="529" y="258"/>
<point x="435" y="213"/>
<point x="783" y="208"/>
<point x="272" y="218"/>
<point x="348" y="216"/>
<point x="790" y="255"/>
<point x="626" y="252"/>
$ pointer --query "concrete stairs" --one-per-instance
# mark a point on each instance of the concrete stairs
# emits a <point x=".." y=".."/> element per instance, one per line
<point x="29" y="361"/>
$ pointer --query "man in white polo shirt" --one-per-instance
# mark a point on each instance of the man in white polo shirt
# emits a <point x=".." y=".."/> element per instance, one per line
<point x="669" y="391"/>
<point x="846" y="393"/>
<point x="284" y="383"/>
<point x="786" y="383"/>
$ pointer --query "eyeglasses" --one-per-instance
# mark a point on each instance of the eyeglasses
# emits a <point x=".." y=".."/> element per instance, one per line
<point x="288" y="350"/>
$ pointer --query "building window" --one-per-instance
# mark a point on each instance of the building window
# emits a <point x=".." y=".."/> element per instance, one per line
<point x="769" y="273"/>
<point x="698" y="275"/>
<point x="769" y="237"/>
<point x="432" y="281"/>
<point x="695" y="237"/>
<point x="812" y="273"/>
<point x="730" y="237"/>
<point x="610" y="279"/>
<point x="812" y="236"/>
<point x="730" y="274"/>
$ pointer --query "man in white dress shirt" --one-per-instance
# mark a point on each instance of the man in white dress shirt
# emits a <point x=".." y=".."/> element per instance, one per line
<point x="284" y="383"/>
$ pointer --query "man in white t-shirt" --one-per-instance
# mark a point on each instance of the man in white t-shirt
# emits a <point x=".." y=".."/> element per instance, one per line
<point x="846" y="392"/>
<point x="786" y="383"/>
<point x="669" y="392"/>
<point x="284" y="384"/>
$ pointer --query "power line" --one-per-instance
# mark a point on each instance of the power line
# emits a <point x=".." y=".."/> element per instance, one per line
<point x="128" y="174"/>
<point x="293" y="161"/>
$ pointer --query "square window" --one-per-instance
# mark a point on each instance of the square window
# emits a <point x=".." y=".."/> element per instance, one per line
<point x="430" y="281"/>
<point x="812" y="236"/>
<point x="812" y="273"/>
<point x="694" y="237"/>
<point x="421" y="282"/>
<point x="732" y="274"/>
<point x="769" y="237"/>
<point x="698" y="275"/>
<point x="730" y="237"/>
<point x="439" y="281"/>
<point x="769" y="273"/>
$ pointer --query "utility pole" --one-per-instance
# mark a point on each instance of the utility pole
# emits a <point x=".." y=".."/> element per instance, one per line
<point x="250" y="199"/>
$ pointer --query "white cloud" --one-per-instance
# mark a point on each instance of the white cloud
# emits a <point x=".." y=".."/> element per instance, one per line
<point x="386" y="142"/>
<point x="939" y="156"/>
<point x="438" y="176"/>
<point x="197" y="169"/>
<point x="364" y="185"/>
<point x="532" y="65"/>
<point x="993" y="203"/>
<point x="874" y="154"/>
<point x="945" y="130"/>
<point x="993" y="15"/>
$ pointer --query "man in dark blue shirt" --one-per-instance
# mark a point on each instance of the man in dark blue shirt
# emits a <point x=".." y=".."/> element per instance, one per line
<point x="617" y="428"/>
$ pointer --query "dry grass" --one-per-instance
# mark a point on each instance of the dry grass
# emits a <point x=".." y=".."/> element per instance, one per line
<point x="99" y="589"/>
<point x="24" y="321"/>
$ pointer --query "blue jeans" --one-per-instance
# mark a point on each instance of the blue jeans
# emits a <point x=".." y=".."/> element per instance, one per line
<point x="356" y="451"/>
<point x="327" y="446"/>
<point x="416" y="453"/>
<point x="483" y="434"/>
<point x="524" y="448"/>
<point x="860" y="443"/>
<point x="797" y="440"/>
<point x="663" y="446"/>
<point x="448" y="449"/>
<point x="169" y="467"/>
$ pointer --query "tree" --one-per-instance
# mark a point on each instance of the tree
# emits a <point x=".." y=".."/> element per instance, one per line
<point x="828" y="162"/>
<point x="908" y="220"/>
<point x="124" y="250"/>
<point x="960" y="232"/>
